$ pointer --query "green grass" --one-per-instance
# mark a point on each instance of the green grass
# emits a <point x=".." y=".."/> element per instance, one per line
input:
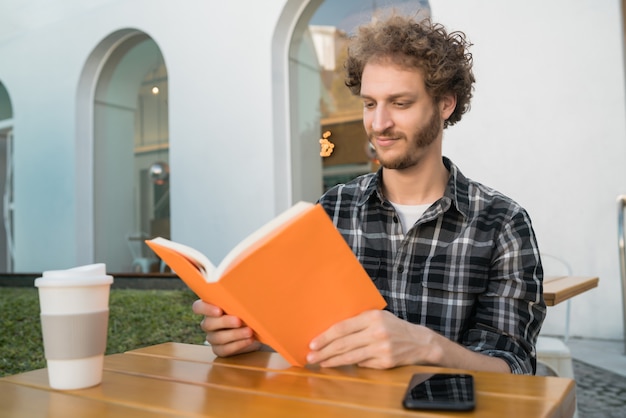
<point x="137" y="318"/>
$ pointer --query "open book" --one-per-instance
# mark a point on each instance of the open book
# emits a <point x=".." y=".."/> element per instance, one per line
<point x="289" y="281"/>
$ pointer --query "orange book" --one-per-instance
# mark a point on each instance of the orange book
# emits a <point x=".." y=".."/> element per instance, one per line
<point x="289" y="281"/>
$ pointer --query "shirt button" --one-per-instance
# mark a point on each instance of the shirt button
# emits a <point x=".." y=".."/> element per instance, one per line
<point x="400" y="269"/>
<point x="395" y="219"/>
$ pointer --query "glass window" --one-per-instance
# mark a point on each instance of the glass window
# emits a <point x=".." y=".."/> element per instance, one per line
<point x="325" y="113"/>
<point x="131" y="156"/>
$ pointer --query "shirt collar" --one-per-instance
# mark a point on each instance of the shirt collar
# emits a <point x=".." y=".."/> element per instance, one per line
<point x="372" y="188"/>
<point x="457" y="189"/>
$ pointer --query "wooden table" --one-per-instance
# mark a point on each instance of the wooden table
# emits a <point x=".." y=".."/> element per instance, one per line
<point x="557" y="289"/>
<point x="182" y="380"/>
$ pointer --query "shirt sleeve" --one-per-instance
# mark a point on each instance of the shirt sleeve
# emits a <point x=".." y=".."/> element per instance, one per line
<point x="511" y="310"/>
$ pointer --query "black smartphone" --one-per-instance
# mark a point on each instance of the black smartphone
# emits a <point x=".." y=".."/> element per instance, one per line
<point x="440" y="391"/>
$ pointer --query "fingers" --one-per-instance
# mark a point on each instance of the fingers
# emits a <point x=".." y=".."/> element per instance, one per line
<point x="200" y="307"/>
<point x="344" y="343"/>
<point x="349" y="349"/>
<point x="226" y="334"/>
<point x="344" y="328"/>
<point x="375" y="339"/>
<point x="216" y="323"/>
<point x="339" y="330"/>
<point x="230" y="342"/>
<point x="218" y="334"/>
<point x="329" y="357"/>
<point x="214" y="317"/>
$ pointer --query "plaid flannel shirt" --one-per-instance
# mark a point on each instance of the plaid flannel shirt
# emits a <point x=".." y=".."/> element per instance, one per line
<point x="468" y="269"/>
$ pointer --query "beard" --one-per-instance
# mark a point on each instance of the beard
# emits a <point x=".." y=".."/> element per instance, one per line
<point x="420" y="139"/>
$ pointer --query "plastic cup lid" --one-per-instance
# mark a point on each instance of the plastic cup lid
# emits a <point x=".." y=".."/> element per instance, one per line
<point x="92" y="274"/>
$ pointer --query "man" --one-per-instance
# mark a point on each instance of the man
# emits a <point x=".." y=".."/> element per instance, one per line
<point x="457" y="262"/>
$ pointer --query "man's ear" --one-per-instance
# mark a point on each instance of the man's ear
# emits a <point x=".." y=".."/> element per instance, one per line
<point x="447" y="104"/>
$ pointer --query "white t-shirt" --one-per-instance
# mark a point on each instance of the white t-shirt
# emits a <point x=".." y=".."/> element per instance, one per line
<point x="409" y="214"/>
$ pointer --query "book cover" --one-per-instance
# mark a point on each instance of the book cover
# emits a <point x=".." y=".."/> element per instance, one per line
<point x="289" y="284"/>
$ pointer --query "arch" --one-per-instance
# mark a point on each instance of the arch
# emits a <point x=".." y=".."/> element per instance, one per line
<point x="114" y="148"/>
<point x="281" y="42"/>
<point x="6" y="181"/>
<point x="6" y="109"/>
<point x="84" y="142"/>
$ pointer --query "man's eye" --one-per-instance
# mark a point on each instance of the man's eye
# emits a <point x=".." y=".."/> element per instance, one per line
<point x="368" y="105"/>
<point x="400" y="104"/>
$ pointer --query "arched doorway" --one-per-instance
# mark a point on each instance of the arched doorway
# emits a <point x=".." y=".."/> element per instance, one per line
<point x="6" y="180"/>
<point x="321" y="107"/>
<point x="130" y="155"/>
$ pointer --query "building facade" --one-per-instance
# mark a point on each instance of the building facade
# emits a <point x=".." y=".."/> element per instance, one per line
<point x="200" y="120"/>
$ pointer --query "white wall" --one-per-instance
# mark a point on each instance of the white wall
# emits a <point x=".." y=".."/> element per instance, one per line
<point x="221" y="133"/>
<point x="547" y="127"/>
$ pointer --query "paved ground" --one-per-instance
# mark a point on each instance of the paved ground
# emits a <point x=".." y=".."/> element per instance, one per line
<point x="600" y="393"/>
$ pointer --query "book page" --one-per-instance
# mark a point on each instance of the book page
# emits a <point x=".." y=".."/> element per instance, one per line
<point x="257" y="235"/>
<point x="194" y="256"/>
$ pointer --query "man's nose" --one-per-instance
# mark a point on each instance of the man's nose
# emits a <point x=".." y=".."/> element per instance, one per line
<point x="381" y="119"/>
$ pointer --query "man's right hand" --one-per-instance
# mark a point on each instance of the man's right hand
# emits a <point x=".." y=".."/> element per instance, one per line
<point x="226" y="334"/>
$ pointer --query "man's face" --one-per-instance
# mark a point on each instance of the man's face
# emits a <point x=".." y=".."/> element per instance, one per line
<point x="399" y="116"/>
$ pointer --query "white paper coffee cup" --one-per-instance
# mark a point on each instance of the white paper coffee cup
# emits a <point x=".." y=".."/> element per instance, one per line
<point x="74" y="321"/>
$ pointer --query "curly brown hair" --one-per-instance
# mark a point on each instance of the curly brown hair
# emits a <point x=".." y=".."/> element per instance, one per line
<point x="442" y="57"/>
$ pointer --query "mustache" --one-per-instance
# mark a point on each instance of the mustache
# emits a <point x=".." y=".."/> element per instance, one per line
<point x="387" y="133"/>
